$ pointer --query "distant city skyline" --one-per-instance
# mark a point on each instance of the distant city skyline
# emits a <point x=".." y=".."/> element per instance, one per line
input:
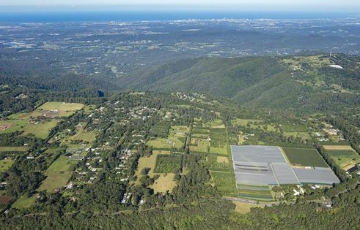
<point x="351" y="5"/>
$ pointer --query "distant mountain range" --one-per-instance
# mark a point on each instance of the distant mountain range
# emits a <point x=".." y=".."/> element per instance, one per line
<point x="305" y="82"/>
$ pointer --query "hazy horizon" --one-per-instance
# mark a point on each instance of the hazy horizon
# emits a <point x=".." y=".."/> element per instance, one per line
<point x="270" y="5"/>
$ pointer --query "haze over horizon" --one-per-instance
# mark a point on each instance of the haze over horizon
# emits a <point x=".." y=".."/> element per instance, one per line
<point x="295" y="5"/>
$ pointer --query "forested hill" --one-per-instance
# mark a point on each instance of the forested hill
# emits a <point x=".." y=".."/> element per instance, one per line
<point x="304" y="82"/>
<point x="67" y="82"/>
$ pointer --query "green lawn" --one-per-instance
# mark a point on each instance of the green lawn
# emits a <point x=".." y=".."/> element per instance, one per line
<point x="58" y="174"/>
<point x="24" y="202"/>
<point x="5" y="165"/>
<point x="304" y="157"/>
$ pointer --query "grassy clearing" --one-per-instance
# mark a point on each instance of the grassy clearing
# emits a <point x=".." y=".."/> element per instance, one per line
<point x="65" y="109"/>
<point x="89" y="108"/>
<point x="180" y="131"/>
<point x="216" y="124"/>
<point x="5" y="164"/>
<point x="304" y="157"/>
<point x="220" y="159"/>
<point x="219" y="142"/>
<point x="199" y="145"/>
<point x="20" y="116"/>
<point x="244" y="122"/>
<point x="293" y="128"/>
<point x="302" y="135"/>
<point x="149" y="162"/>
<point x="13" y="149"/>
<point x="164" y="183"/>
<point x="217" y="163"/>
<point x="24" y="202"/>
<point x="346" y="159"/>
<point x="243" y="208"/>
<point x="40" y="130"/>
<point x="84" y="136"/>
<point x="225" y="183"/>
<point x="317" y="61"/>
<point x="10" y="126"/>
<point x="175" y="140"/>
<point x="58" y="174"/>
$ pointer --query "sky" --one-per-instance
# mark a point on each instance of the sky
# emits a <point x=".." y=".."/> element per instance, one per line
<point x="294" y="5"/>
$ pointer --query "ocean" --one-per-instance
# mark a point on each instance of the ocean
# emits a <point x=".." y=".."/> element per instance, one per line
<point x="151" y="15"/>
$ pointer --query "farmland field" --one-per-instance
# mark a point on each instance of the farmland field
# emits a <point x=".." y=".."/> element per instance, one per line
<point x="4" y="200"/>
<point x="216" y="124"/>
<point x="65" y="109"/>
<point x="180" y="131"/>
<point x="84" y="136"/>
<point x="19" y="116"/>
<point x="200" y="130"/>
<point x="174" y="141"/>
<point x="244" y="122"/>
<point x="217" y="163"/>
<point x="58" y="174"/>
<point x="219" y="143"/>
<point x="225" y="183"/>
<point x="338" y="147"/>
<point x="255" y="192"/>
<point x="304" y="157"/>
<point x="346" y="159"/>
<point x="199" y="145"/>
<point x="10" y="126"/>
<point x="40" y="130"/>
